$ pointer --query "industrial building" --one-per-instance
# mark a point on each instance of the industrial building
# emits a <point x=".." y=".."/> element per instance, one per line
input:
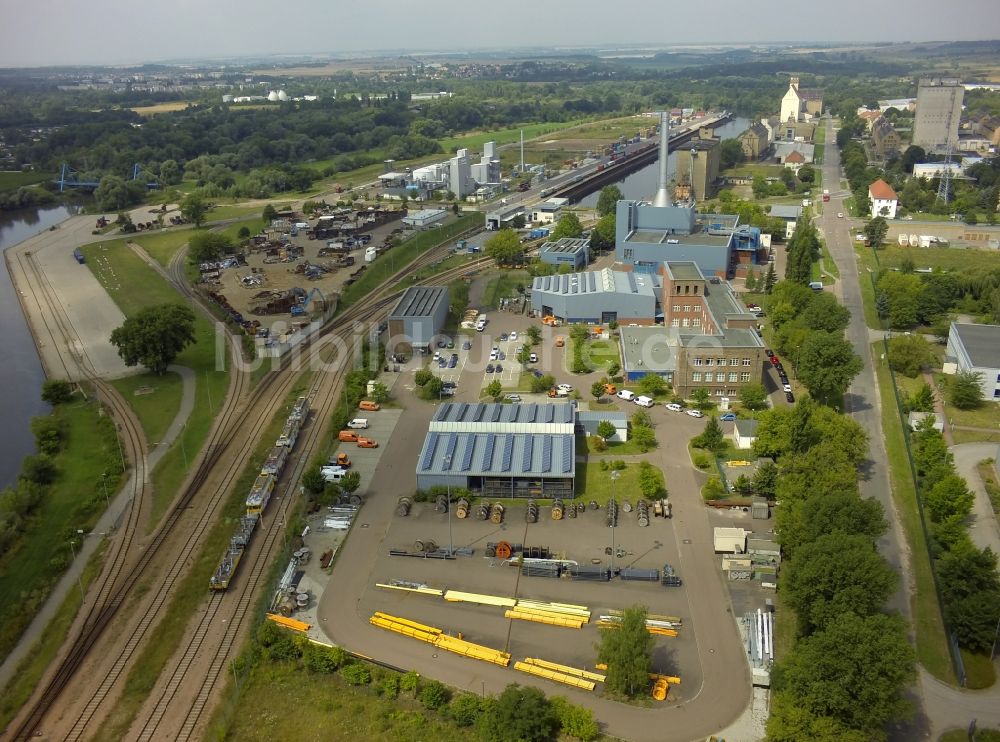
<point x="500" y="450"/>
<point x="939" y="111"/>
<point x="424" y="218"/>
<point x="976" y="348"/>
<point x="597" y="297"/>
<point x="574" y="252"/>
<point x="649" y="233"/>
<point x="418" y="316"/>
<point x="587" y="422"/>
<point x="504" y="217"/>
<point x="457" y="175"/>
<point x="697" y="168"/>
<point x="548" y="212"/>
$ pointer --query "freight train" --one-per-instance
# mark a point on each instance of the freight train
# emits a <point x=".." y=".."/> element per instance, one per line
<point x="260" y="494"/>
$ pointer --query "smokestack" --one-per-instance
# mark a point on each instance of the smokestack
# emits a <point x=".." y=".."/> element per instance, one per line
<point x="662" y="195"/>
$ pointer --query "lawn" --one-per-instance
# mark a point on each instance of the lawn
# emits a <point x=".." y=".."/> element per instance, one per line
<point x="979" y="671"/>
<point x="157" y="408"/>
<point x="255" y="224"/>
<point x="948" y="258"/>
<point x="989" y="477"/>
<point x="601" y="352"/>
<point x="163" y="245"/>
<point x="585" y="447"/>
<point x="932" y="647"/>
<point x="389" y="262"/>
<point x="30" y="670"/>
<point x="594" y="483"/>
<point x="134" y="285"/>
<point x="869" y="268"/>
<point x="476" y="140"/>
<point x="31" y="567"/>
<point x="11" y="180"/>
<point x="325" y="707"/>
<point x="236" y="211"/>
<point x="962" y="735"/>
<point x="193" y="589"/>
<point x="504" y="286"/>
<point x="987" y="415"/>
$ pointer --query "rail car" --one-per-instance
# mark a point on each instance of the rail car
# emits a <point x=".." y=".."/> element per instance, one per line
<point x="260" y="494"/>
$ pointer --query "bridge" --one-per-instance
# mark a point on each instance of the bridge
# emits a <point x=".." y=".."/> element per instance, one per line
<point x="634" y="157"/>
<point x="69" y="178"/>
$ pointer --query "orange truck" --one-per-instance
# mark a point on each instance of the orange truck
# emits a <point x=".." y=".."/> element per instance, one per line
<point x="367" y="443"/>
<point x="560" y="341"/>
<point x="343" y="460"/>
<point x="368" y="405"/>
<point x="348" y="436"/>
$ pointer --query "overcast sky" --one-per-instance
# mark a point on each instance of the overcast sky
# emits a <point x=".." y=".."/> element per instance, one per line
<point x="47" y="32"/>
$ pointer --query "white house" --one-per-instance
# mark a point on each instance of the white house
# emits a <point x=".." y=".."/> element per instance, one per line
<point x="548" y="212"/>
<point x="976" y="348"/>
<point x="916" y="418"/>
<point x="745" y="433"/>
<point x="730" y="540"/>
<point x="883" y="197"/>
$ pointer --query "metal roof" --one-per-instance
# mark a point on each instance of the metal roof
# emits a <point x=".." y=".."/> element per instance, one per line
<point x="567" y="245"/>
<point x="419" y="301"/>
<point x="476" y="417"/>
<point x="499" y="455"/>
<point x="786" y="211"/>
<point x="598" y="282"/>
<point x="981" y="343"/>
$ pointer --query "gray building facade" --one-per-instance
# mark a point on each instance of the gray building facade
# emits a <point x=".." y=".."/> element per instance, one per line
<point x="939" y="111"/>
<point x="418" y="316"/>
<point x="597" y="297"/>
<point x="574" y="252"/>
<point x="976" y="348"/>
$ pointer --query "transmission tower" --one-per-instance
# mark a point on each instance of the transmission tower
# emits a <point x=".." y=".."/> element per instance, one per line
<point x="944" y="182"/>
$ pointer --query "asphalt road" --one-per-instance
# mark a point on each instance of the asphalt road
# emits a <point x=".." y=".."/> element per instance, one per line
<point x="938" y="706"/>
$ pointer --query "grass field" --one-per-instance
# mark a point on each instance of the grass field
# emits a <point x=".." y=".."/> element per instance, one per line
<point x="177" y="105"/>
<point x="134" y="286"/>
<point x="11" y="180"/>
<point x="16" y="693"/>
<point x="163" y="245"/>
<point x="156" y="409"/>
<point x="593" y="483"/>
<point x="979" y="671"/>
<point x="327" y="708"/>
<point x="504" y="286"/>
<point x="193" y="589"/>
<point x="962" y="735"/>
<point x="476" y="140"/>
<point x="30" y="568"/>
<point x="987" y="415"/>
<point x="601" y="352"/>
<point x="948" y="258"/>
<point x="585" y="447"/>
<point x="932" y="647"/>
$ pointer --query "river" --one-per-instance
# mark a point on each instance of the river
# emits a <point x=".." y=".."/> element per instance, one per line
<point x="21" y="373"/>
<point x="643" y="182"/>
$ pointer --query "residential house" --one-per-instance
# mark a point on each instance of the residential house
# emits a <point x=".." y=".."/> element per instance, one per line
<point x="755" y="142"/>
<point x="885" y="139"/>
<point x="884" y="199"/>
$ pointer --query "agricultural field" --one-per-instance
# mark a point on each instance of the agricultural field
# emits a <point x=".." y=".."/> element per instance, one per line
<point x="168" y="107"/>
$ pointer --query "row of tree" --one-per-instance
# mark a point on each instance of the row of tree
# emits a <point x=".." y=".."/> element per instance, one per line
<point x="844" y="677"/>
<point x="907" y="299"/>
<point x="967" y="576"/>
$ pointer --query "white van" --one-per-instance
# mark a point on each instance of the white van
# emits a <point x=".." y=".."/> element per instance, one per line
<point x="626" y="395"/>
<point x="644" y="401"/>
<point x="358" y="423"/>
<point x="333" y="473"/>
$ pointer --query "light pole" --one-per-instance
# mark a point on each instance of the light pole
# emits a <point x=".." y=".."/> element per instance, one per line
<point x="72" y="550"/>
<point x="614" y="506"/>
<point x="451" y="543"/>
<point x="104" y="481"/>
<point x="121" y="454"/>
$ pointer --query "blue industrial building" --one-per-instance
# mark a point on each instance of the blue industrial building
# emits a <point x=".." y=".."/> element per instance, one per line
<point x="574" y="252"/>
<point x="598" y="297"/>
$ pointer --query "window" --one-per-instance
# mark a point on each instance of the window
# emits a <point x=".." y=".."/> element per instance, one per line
<point x="675" y="322"/>
<point x="732" y="377"/>
<point x="718" y="392"/>
<point x="686" y="322"/>
<point x="696" y="376"/>
<point x="697" y="361"/>
<point x="696" y="322"/>
<point x="734" y="361"/>
<point x="687" y="307"/>
<point x="746" y="361"/>
<point x="709" y="361"/>
<point x="627" y="253"/>
<point x="744" y="378"/>
<point x="677" y="307"/>
<point x="721" y="376"/>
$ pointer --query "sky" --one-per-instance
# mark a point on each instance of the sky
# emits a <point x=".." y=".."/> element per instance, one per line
<point x="66" y="32"/>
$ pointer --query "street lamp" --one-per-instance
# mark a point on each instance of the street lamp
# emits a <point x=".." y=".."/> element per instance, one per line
<point x="614" y="507"/>
<point x="451" y="543"/>
<point x="104" y="481"/>
<point x="72" y="550"/>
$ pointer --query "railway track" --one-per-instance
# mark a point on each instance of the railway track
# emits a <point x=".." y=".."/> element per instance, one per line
<point x="272" y="390"/>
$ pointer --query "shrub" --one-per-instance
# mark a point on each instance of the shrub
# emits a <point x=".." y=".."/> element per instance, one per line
<point x="409" y="682"/>
<point x="56" y="391"/>
<point x="702" y="460"/>
<point x="465" y="709"/>
<point x="389" y="687"/>
<point x="713" y="488"/>
<point x="434" y="695"/>
<point x="356" y="674"/>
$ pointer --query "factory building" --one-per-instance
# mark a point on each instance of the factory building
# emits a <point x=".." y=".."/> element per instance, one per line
<point x="939" y="111"/>
<point x="548" y="212"/>
<point x="424" y="218"/>
<point x="574" y="252"/>
<point x="487" y="170"/>
<point x="418" y="316"/>
<point x="708" y="339"/>
<point x="499" y="450"/>
<point x="697" y="168"/>
<point x="597" y="297"/>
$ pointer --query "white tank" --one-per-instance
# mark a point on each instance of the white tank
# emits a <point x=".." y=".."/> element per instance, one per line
<point x="272" y="96"/>
<point x="282" y="95"/>
<point x="914" y="240"/>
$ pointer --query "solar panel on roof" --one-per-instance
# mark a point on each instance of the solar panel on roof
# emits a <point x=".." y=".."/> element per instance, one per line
<point x="550" y="413"/>
<point x="449" y="452"/>
<point x="526" y="453"/>
<point x="497" y="410"/>
<point x="547" y="453"/>
<point x="441" y="412"/>
<point x="530" y="413"/>
<point x="470" y="447"/>
<point x="488" y="451"/>
<point x="593" y="281"/>
<point x="567" y="457"/>
<point x="432" y="439"/>
<point x="462" y="407"/>
<point x="479" y="412"/>
<point x="508" y="453"/>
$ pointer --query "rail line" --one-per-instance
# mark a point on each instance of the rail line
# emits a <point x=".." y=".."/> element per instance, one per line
<point x="222" y="439"/>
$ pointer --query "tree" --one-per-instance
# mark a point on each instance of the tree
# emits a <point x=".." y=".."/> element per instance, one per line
<point x="602" y="237"/>
<point x="576" y="721"/>
<point x="114" y="193"/>
<point x="903" y="295"/>
<point x="614" y="368"/>
<point x="802" y="521"/>
<point x="521" y="715"/>
<point x="770" y="279"/>
<point x="836" y="574"/>
<point x="154" y="336"/>
<point x="504" y="247"/>
<point x="965" y="390"/>
<point x="653" y="385"/>
<point x="803" y="250"/>
<point x="597" y="390"/>
<point x="970" y="591"/>
<point x="876" y="230"/>
<point x="269" y="214"/>
<point x="790" y="722"/>
<point x="606" y="429"/>
<point x="568" y="226"/>
<point x="465" y="709"/>
<point x="765" y="479"/>
<point x="38" y="468"/>
<point x="644" y="437"/>
<point x="519" y="222"/>
<point x="807" y="174"/>
<point x="627" y="651"/>
<point x="607" y="202"/>
<point x="541" y="384"/>
<point x="751" y="282"/>
<point x="350" y="482"/>
<point x="170" y="173"/>
<point x="313" y="480"/>
<point x="701" y="398"/>
<point x="434" y="695"/>
<point x="380" y="393"/>
<point x="49" y="432"/>
<point x="431" y="389"/>
<point x="209" y="246"/>
<point x="730" y="153"/>
<point x="533" y="333"/>
<point x="824" y="312"/>
<point x="754" y="397"/>
<point x="854" y="671"/>
<point x="909" y="354"/>
<point x="56" y="391"/>
<point x="711" y="438"/>
<point x="913" y="154"/>
<point x="827" y="364"/>
<point x="194" y="208"/>
<point x="949" y="498"/>
<point x="494" y="389"/>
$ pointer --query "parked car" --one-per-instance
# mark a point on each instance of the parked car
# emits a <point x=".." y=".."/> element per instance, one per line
<point x="467" y="345"/>
<point x="489" y="369"/>
<point x="494" y="355"/>
<point x="367" y="443"/>
<point x="358" y="423"/>
<point x="501" y="356"/>
<point x="674" y="407"/>
<point x="694" y="413"/>
<point x="789" y="396"/>
<point x="452" y="362"/>
<point x="449" y="385"/>
<point x="536" y="373"/>
<point x="447" y="392"/>
<point x="498" y="368"/>
<point x="770" y="353"/>
<point x="775" y="360"/>
<point x="626" y="395"/>
<point x="513" y="335"/>
<point x="787" y="388"/>
<point x="728" y="417"/>
<point x="367" y="404"/>
<point x="533" y="358"/>
<point x="503" y="337"/>
<point x="513" y="397"/>
<point x="565" y="387"/>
